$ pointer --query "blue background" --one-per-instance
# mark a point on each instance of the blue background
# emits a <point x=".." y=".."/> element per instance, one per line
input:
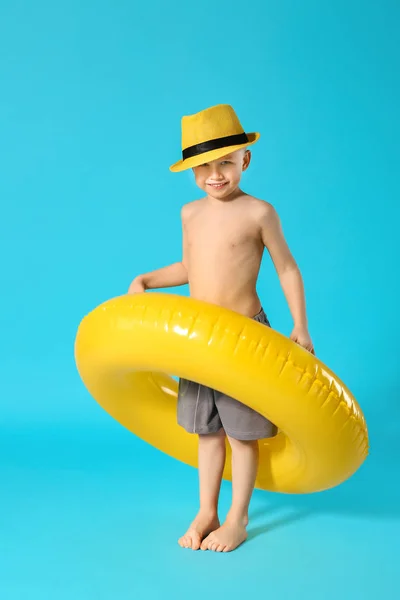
<point x="92" y="94"/>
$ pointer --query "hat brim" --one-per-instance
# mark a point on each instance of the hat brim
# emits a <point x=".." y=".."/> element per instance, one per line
<point x="200" y="159"/>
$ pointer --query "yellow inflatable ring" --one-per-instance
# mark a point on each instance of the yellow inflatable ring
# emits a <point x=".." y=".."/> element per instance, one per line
<point x="126" y="346"/>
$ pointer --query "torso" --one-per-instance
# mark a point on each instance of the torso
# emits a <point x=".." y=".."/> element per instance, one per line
<point x="224" y="252"/>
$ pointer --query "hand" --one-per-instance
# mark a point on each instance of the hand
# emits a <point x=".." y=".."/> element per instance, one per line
<point x="301" y="336"/>
<point x="137" y="286"/>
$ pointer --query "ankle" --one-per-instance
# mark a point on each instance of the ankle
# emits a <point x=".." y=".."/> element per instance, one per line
<point x="235" y="517"/>
<point x="208" y="511"/>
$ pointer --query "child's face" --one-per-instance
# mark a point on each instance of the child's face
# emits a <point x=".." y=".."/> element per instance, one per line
<point x="219" y="178"/>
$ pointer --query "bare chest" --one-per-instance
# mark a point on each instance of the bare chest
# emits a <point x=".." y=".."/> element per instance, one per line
<point x="232" y="234"/>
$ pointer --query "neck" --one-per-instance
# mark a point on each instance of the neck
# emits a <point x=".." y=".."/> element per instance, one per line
<point x="225" y="199"/>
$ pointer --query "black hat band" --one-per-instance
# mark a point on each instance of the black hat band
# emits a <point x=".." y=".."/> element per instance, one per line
<point x="229" y="140"/>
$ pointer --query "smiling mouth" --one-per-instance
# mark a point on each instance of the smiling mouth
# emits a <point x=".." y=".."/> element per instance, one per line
<point x="217" y="186"/>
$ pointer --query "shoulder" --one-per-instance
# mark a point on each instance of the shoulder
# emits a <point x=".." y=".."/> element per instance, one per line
<point x="189" y="209"/>
<point x="262" y="210"/>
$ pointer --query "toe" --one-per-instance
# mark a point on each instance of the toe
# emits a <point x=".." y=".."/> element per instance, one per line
<point x="192" y="541"/>
<point x="220" y="548"/>
<point x="196" y="544"/>
<point x="205" y="543"/>
<point x="210" y="542"/>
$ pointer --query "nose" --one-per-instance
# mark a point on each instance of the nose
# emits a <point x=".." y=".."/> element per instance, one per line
<point x="215" y="174"/>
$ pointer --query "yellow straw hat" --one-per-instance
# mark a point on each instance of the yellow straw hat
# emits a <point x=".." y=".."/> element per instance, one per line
<point x="211" y="134"/>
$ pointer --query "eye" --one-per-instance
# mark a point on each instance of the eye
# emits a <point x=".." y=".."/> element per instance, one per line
<point x="226" y="162"/>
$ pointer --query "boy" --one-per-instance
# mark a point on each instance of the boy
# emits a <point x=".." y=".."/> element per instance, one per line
<point x="224" y="236"/>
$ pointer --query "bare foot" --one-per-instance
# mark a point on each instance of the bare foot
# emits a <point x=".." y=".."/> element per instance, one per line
<point x="203" y="524"/>
<point x="226" y="538"/>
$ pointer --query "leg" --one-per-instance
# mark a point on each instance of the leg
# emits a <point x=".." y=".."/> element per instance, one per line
<point x="212" y="454"/>
<point x="244" y="470"/>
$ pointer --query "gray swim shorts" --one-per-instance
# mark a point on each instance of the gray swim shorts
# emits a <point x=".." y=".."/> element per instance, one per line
<point x="203" y="410"/>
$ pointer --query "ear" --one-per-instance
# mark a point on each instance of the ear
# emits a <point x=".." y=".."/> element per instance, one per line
<point x="246" y="160"/>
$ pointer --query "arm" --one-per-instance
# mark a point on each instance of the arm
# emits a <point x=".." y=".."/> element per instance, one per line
<point x="288" y="272"/>
<point x="169" y="276"/>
